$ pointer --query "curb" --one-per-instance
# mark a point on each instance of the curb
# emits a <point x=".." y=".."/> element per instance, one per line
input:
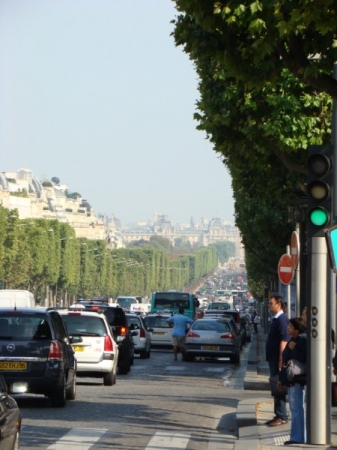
<point x="247" y="425"/>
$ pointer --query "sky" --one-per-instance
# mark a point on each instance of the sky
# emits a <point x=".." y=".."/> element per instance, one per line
<point x="95" y="92"/>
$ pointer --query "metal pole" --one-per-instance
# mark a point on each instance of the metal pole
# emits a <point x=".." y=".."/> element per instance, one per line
<point x="298" y="276"/>
<point x="288" y="291"/>
<point x="319" y="355"/>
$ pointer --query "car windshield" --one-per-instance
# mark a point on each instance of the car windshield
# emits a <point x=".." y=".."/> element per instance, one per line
<point x="84" y="326"/>
<point x="22" y="326"/>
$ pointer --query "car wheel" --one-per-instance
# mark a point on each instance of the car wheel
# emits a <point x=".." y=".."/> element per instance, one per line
<point x="108" y="379"/>
<point x="132" y="360"/>
<point x="124" y="367"/>
<point x="189" y="358"/>
<point x="148" y="353"/>
<point x="58" y="397"/>
<point x="71" y="391"/>
<point x="16" y="442"/>
<point x="142" y="354"/>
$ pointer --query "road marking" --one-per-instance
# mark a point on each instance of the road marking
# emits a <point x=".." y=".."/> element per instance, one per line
<point x="165" y="441"/>
<point x="214" y="369"/>
<point x="78" y="439"/>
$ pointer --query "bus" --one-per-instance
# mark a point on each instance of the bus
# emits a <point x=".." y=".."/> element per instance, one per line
<point x="171" y="302"/>
<point x="222" y="293"/>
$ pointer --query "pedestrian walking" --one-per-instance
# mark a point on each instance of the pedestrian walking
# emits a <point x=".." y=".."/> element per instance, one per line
<point x="277" y="340"/>
<point x="296" y="349"/>
<point x="179" y="323"/>
<point x="256" y="321"/>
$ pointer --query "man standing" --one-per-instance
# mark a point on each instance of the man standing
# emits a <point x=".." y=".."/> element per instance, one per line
<point x="276" y="342"/>
<point x="179" y="322"/>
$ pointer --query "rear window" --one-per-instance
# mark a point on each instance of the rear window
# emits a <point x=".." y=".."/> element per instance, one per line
<point x="84" y="326"/>
<point x="24" y="327"/>
<point x="115" y="316"/>
<point x="135" y="321"/>
<point x="211" y="325"/>
<point x="156" y="322"/>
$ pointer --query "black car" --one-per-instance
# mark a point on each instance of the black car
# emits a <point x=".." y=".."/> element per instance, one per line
<point x="117" y="320"/>
<point x="10" y="419"/>
<point x="36" y="356"/>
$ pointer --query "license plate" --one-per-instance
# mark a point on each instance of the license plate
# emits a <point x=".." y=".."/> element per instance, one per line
<point x="13" y="366"/>
<point x="210" y="347"/>
<point x="78" y="348"/>
<point x="161" y="333"/>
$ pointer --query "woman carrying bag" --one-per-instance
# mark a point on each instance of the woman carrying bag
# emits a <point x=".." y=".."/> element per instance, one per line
<point x="295" y="353"/>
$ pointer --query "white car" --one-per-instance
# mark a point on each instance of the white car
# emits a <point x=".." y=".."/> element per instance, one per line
<point x="161" y="334"/>
<point x="141" y="335"/>
<point x="97" y="354"/>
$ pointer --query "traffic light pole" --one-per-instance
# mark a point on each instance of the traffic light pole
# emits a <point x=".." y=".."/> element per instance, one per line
<point x="319" y="346"/>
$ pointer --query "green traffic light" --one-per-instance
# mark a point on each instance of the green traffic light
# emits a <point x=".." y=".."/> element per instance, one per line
<point x="318" y="217"/>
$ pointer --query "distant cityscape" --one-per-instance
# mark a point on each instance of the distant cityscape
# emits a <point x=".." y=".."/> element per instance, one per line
<point x="50" y="199"/>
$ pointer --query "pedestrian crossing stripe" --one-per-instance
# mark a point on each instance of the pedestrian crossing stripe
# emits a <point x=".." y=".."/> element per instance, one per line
<point x="163" y="441"/>
<point x="78" y="439"/>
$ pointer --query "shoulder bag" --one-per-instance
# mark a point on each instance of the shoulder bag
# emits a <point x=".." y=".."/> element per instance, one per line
<point x="294" y="368"/>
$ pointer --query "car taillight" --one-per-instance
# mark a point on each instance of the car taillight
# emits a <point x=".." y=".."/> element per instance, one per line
<point x="108" y="344"/>
<point x="55" y="350"/>
<point x="194" y="335"/>
<point x="227" y="336"/>
<point x="142" y="333"/>
<point x="123" y="331"/>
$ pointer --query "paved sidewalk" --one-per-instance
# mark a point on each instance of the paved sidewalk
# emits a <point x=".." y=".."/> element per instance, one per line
<point x="252" y="414"/>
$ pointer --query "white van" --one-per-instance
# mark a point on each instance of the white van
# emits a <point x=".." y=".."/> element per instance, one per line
<point x="9" y="298"/>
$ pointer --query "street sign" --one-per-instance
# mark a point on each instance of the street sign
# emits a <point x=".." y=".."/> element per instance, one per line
<point x="285" y="269"/>
<point x="294" y="249"/>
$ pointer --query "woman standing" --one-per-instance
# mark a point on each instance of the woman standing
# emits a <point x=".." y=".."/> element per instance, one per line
<point x="295" y="349"/>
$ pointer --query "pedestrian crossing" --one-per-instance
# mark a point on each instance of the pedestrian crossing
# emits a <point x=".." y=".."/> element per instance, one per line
<point x="103" y="438"/>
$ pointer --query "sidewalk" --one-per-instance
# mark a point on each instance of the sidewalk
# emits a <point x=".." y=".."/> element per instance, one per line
<point x="252" y="414"/>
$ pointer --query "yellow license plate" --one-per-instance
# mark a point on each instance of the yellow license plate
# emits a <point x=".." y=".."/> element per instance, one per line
<point x="159" y="332"/>
<point x="211" y="347"/>
<point x="13" y="366"/>
<point x="79" y="348"/>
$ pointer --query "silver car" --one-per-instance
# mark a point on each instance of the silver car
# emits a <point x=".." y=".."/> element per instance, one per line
<point x="213" y="338"/>
<point x="161" y="334"/>
<point x="141" y="335"/>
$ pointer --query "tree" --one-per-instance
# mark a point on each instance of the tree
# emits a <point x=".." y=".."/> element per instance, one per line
<point x="255" y="42"/>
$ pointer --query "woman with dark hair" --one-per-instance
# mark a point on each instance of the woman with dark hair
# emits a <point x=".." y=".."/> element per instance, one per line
<point x="296" y="348"/>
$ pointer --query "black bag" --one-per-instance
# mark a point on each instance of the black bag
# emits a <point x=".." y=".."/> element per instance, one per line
<point x="295" y="368"/>
<point x="273" y="386"/>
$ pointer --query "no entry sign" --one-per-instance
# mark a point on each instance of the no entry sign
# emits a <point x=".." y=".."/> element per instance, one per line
<point x="285" y="269"/>
<point x="294" y="249"/>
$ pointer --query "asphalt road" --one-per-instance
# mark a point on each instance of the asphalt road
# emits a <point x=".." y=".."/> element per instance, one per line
<point x="160" y="404"/>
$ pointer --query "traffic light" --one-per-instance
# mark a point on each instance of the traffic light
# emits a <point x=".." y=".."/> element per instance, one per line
<point x="319" y="189"/>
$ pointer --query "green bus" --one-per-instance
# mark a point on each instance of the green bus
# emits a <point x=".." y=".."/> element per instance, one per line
<point x="171" y="301"/>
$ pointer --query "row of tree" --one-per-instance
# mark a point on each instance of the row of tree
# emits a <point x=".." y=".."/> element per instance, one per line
<point x="46" y="258"/>
<point x="266" y="87"/>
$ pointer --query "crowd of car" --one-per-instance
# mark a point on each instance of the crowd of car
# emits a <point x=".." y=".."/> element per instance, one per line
<point x="44" y="350"/>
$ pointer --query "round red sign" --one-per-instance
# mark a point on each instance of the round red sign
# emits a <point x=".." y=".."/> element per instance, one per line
<point x="285" y="269"/>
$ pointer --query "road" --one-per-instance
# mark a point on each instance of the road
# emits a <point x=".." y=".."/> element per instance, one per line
<point x="160" y="404"/>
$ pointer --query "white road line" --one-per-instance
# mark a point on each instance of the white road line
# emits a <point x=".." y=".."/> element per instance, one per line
<point x="165" y="441"/>
<point x="214" y="369"/>
<point x="78" y="438"/>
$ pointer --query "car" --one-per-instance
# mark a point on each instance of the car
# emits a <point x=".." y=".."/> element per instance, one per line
<point x="36" y="355"/>
<point x="213" y="338"/>
<point x="229" y="312"/>
<point x="161" y="334"/>
<point x="141" y="335"/>
<point x="97" y="353"/>
<point x="10" y="419"/>
<point x="117" y="320"/>
<point x="246" y="329"/>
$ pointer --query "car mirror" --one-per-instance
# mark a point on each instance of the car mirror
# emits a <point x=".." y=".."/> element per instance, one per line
<point x="75" y="339"/>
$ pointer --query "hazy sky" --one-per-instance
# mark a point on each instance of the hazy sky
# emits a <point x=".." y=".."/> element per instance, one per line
<point x="96" y="93"/>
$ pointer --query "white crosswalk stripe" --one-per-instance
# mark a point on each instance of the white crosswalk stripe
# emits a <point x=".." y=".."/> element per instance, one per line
<point x="78" y="439"/>
<point x="162" y="441"/>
